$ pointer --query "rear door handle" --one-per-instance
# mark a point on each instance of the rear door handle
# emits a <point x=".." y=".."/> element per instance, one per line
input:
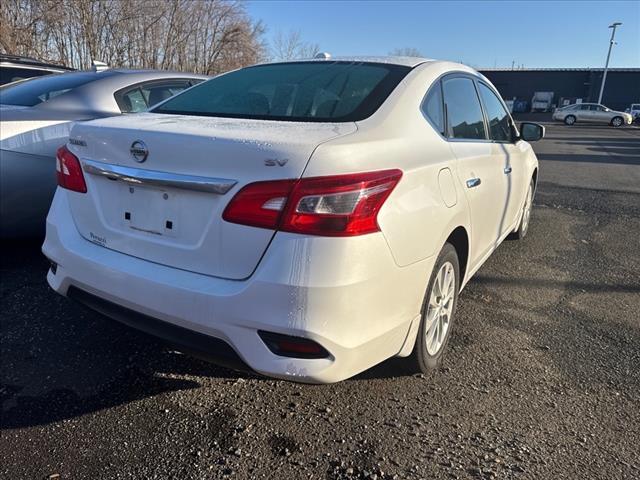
<point x="473" y="182"/>
<point x="507" y="170"/>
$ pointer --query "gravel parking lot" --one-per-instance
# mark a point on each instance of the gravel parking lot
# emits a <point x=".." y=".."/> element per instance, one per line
<point x="542" y="379"/>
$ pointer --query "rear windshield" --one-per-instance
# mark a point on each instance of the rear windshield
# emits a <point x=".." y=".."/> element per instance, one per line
<point x="299" y="91"/>
<point x="37" y="90"/>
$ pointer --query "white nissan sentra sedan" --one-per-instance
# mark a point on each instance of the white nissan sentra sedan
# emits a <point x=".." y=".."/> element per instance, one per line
<point x="306" y="220"/>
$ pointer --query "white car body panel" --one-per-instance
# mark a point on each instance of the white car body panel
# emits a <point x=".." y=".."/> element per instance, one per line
<point x="359" y="297"/>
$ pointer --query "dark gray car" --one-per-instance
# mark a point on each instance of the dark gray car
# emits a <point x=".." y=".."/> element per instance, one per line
<point x="36" y="116"/>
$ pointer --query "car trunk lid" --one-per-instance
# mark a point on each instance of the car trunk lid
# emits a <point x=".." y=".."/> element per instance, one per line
<point x="158" y="184"/>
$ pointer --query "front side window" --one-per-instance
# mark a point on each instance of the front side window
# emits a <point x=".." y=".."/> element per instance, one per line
<point x="432" y="108"/>
<point x="464" y="114"/>
<point x="300" y="91"/>
<point x="497" y="116"/>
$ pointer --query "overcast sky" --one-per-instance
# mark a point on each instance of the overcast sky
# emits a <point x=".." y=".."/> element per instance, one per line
<point x="478" y="33"/>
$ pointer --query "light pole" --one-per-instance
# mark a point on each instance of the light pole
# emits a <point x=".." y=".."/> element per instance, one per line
<point x="606" y="66"/>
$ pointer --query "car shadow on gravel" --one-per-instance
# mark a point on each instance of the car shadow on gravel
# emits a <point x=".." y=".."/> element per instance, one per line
<point x="60" y="360"/>
<point x="139" y="367"/>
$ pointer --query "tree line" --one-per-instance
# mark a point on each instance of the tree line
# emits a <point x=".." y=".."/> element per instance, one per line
<point x="203" y="36"/>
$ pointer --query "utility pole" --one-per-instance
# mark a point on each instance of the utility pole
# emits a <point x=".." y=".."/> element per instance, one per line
<point x="606" y="66"/>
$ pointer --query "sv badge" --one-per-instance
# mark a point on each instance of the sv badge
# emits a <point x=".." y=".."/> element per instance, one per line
<point x="272" y="162"/>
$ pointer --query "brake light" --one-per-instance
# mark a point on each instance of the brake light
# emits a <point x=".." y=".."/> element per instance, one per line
<point x="259" y="204"/>
<point x="69" y="171"/>
<point x="339" y="205"/>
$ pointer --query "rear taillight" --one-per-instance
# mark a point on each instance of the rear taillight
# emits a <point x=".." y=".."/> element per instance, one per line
<point x="69" y="171"/>
<point x="259" y="204"/>
<point x="340" y="205"/>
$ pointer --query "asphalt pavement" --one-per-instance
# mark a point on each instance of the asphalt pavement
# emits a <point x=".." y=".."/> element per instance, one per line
<point x="542" y="379"/>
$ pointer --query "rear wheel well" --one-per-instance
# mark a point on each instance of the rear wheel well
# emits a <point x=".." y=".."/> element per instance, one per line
<point x="460" y="241"/>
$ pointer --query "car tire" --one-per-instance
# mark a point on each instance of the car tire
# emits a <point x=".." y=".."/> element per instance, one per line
<point x="569" y="120"/>
<point x="617" y="121"/>
<point x="525" y="216"/>
<point x="437" y="313"/>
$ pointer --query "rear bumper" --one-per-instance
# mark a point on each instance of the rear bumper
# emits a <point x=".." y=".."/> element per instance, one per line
<point x="346" y="294"/>
<point x="197" y="344"/>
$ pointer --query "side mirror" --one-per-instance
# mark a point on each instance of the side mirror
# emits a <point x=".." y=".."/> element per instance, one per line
<point x="531" y="132"/>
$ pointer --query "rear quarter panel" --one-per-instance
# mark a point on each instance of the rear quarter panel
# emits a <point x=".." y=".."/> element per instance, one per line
<point x="415" y="219"/>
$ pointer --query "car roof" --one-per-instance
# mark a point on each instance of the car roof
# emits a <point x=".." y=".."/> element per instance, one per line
<point x="29" y="61"/>
<point x="119" y="78"/>
<point x="390" y="60"/>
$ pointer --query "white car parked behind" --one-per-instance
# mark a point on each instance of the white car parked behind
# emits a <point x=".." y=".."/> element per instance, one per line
<point x="591" y="113"/>
<point x="307" y="220"/>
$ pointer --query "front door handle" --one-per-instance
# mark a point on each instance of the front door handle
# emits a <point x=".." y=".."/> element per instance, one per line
<point x="473" y="182"/>
<point x="507" y="170"/>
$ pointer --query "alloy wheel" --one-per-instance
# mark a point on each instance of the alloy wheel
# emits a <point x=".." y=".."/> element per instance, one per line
<point x="440" y="308"/>
<point x="526" y="210"/>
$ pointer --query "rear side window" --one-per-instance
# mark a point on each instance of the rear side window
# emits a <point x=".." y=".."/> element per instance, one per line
<point x="499" y="127"/>
<point x="141" y="97"/>
<point x="13" y="74"/>
<point x="39" y="90"/>
<point x="432" y="107"/>
<point x="300" y="91"/>
<point x="464" y="114"/>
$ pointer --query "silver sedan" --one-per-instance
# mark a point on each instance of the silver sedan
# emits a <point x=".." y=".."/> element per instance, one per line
<point x="36" y="116"/>
<point x="591" y="113"/>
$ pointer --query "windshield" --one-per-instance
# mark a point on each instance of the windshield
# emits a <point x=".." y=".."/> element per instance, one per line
<point x="38" y="90"/>
<point x="299" y="91"/>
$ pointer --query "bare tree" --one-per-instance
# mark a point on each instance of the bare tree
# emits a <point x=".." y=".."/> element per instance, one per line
<point x="205" y="36"/>
<point x="290" y="46"/>
<point x="406" y="52"/>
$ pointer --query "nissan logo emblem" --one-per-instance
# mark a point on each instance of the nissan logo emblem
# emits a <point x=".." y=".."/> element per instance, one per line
<point x="139" y="151"/>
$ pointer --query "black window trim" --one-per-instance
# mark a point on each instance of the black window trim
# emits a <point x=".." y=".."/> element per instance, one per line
<point x="473" y="78"/>
<point x="486" y="117"/>
<point x="438" y="82"/>
<point x="118" y="94"/>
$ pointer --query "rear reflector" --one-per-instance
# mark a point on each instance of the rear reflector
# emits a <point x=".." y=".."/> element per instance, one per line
<point x="69" y="171"/>
<point x="339" y="205"/>
<point x="294" y="347"/>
